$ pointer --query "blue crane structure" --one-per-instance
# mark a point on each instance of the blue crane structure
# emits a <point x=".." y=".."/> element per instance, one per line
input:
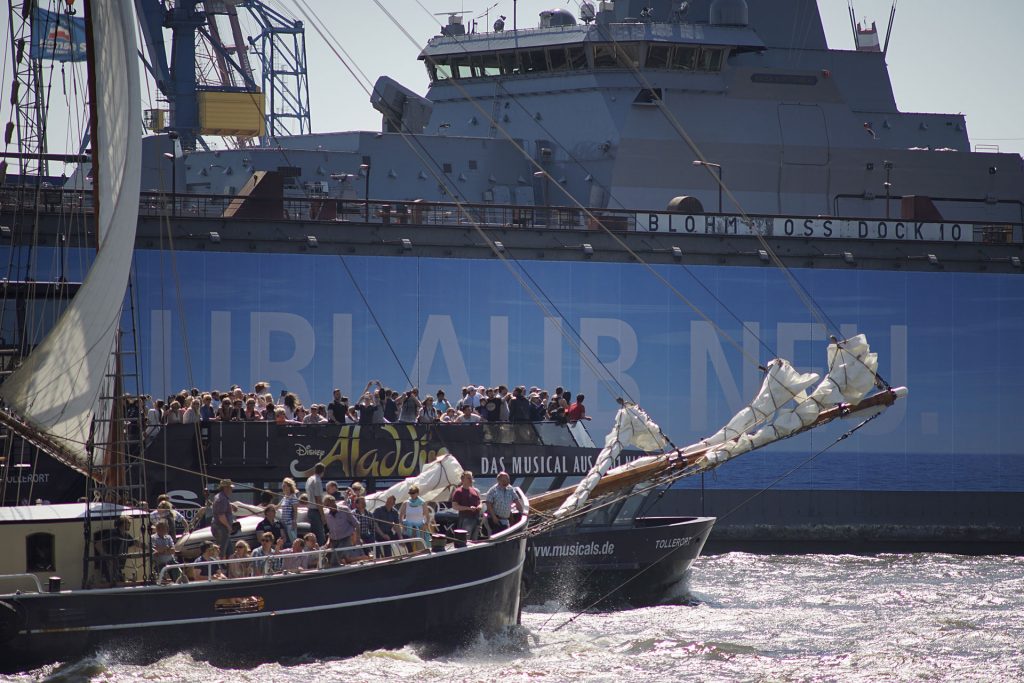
<point x="280" y="47"/>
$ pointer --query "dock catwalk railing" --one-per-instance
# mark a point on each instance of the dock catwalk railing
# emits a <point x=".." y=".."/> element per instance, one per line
<point x="324" y="210"/>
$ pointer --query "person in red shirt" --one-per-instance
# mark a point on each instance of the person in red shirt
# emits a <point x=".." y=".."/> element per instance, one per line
<point x="466" y="501"/>
<point x="576" y="411"/>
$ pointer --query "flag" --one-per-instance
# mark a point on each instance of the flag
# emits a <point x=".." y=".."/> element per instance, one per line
<point x="57" y="36"/>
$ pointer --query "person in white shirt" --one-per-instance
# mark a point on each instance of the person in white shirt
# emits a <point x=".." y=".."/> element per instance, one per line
<point x="314" y="416"/>
<point x="468" y="416"/>
<point x="315" y="492"/>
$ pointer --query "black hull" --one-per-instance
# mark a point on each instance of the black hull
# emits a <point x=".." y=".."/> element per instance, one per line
<point x="636" y="564"/>
<point x="446" y="598"/>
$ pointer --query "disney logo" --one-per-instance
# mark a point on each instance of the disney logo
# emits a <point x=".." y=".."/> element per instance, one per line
<point x="306" y="449"/>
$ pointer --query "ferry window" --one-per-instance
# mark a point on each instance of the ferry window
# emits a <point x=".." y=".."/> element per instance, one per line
<point x="604" y="56"/>
<point x="710" y="59"/>
<point x="658" y="56"/>
<point x="39" y="552"/>
<point x="533" y="61"/>
<point x="684" y="58"/>
<point x="557" y="59"/>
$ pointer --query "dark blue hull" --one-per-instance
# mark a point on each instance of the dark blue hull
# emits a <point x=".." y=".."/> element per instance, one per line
<point x="636" y="564"/>
<point x="445" y="598"/>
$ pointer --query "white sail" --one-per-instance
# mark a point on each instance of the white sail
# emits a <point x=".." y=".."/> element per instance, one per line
<point x="782" y="383"/>
<point x="783" y="406"/>
<point x="632" y="427"/>
<point x="852" y="372"/>
<point x="436" y="482"/>
<point x="57" y="388"/>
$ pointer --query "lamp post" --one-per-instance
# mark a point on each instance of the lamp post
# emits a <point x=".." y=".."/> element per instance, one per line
<point x="174" y="181"/>
<point x="888" y="185"/>
<point x="717" y="167"/>
<point x="547" y="207"/>
<point x="365" y="168"/>
<point x="342" y="179"/>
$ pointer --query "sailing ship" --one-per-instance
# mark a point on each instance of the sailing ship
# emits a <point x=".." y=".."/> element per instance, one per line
<point x="51" y="401"/>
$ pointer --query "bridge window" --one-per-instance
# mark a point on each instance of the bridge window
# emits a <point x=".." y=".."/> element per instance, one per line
<point x="556" y="58"/>
<point x="604" y="57"/>
<point x="485" y="65"/>
<point x="461" y="67"/>
<point x="617" y="56"/>
<point x="577" y="58"/>
<point x="710" y="59"/>
<point x="508" y="63"/>
<point x="532" y="61"/>
<point x="659" y="56"/>
<point x="684" y="58"/>
<point x="438" y="70"/>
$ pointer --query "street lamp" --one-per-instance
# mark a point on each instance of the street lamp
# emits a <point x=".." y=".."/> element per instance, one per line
<point x="547" y="203"/>
<point x="718" y="167"/>
<point x="174" y="181"/>
<point x="365" y="168"/>
<point x="342" y="178"/>
<point x="888" y="185"/>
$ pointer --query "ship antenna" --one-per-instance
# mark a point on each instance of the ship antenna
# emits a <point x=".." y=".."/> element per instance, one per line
<point x="888" y="30"/>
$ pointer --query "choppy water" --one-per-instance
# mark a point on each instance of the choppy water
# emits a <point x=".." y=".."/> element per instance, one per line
<point x="746" y="618"/>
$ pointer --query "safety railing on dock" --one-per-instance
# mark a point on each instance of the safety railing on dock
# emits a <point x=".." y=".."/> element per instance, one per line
<point x="341" y="212"/>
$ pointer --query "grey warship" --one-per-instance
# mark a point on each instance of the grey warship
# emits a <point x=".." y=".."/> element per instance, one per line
<point x="690" y="130"/>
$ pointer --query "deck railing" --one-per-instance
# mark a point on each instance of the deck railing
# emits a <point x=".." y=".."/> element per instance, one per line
<point x="333" y="211"/>
<point x="270" y="565"/>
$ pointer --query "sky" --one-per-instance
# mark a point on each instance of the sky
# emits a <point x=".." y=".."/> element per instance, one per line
<point x="946" y="56"/>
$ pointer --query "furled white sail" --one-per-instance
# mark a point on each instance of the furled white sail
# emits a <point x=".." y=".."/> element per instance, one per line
<point x="782" y="383"/>
<point x="783" y="406"/>
<point x="436" y="482"/>
<point x="633" y="427"/>
<point x="57" y="388"/>
<point x="852" y="373"/>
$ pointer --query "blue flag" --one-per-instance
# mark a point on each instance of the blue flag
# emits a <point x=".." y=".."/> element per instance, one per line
<point x="57" y="36"/>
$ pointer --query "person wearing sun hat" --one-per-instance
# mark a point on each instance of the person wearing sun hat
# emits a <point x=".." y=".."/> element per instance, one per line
<point x="223" y="517"/>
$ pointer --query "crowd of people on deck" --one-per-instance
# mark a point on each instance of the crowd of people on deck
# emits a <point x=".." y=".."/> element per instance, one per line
<point x="377" y="404"/>
<point x="341" y="529"/>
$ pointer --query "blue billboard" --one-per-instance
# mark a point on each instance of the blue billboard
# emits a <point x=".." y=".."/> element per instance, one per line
<point x="609" y="330"/>
<point x="309" y="323"/>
